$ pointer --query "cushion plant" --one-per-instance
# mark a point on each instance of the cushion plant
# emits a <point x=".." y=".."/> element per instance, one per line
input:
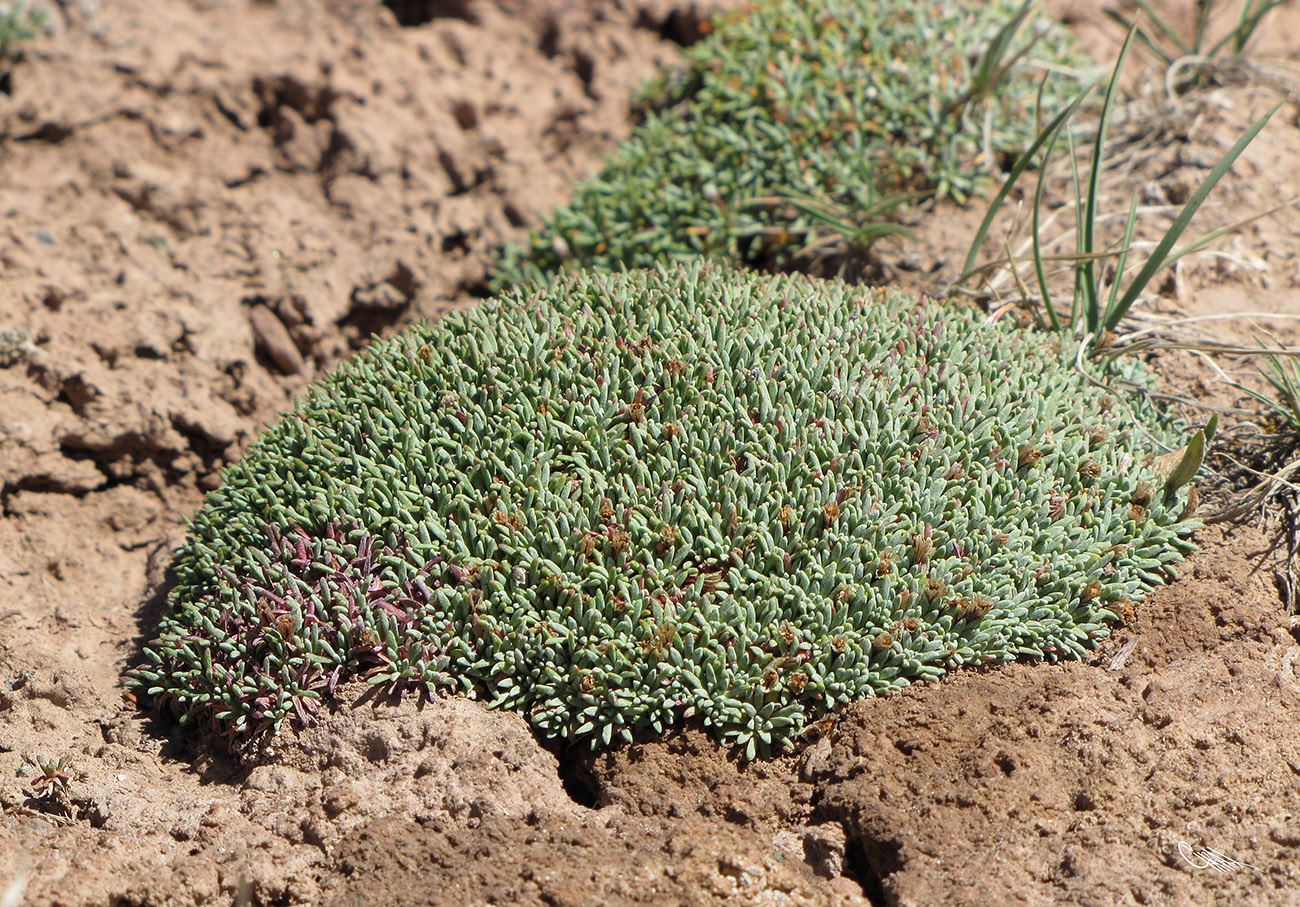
<point x="620" y="500"/>
<point x="796" y="113"/>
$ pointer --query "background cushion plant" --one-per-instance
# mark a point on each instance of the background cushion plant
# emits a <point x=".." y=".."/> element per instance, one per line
<point x="19" y="22"/>
<point x="801" y="119"/>
<point x="617" y="501"/>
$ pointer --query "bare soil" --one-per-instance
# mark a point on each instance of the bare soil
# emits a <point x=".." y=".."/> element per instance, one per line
<point x="208" y="204"/>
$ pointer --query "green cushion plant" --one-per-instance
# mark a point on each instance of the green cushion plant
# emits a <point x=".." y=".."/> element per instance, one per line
<point x="798" y="121"/>
<point x="617" y="501"/>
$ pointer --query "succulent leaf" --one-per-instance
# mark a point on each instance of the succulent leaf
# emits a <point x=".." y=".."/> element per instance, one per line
<point x="614" y="501"/>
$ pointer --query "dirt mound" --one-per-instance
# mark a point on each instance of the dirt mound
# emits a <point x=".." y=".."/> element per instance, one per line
<point x="1092" y="781"/>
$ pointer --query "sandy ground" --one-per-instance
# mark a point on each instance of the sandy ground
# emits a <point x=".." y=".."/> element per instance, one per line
<point x="208" y="204"/>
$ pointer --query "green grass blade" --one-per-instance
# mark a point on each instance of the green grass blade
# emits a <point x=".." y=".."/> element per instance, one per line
<point x="867" y="234"/>
<point x="1213" y="235"/>
<point x="1018" y="168"/>
<point x="1163" y="26"/>
<point x="991" y="70"/>
<point x="1286" y="414"/>
<point x="1160" y="255"/>
<point x="1203" y="22"/>
<point x="1078" y="232"/>
<point x="1293" y="396"/>
<point x="1146" y="40"/>
<point x="859" y="229"/>
<point x="1122" y="260"/>
<point x="1245" y="29"/>
<point x="1286" y="381"/>
<point x="1246" y="25"/>
<point x="1200" y="243"/>
<point x="1087" y="266"/>
<point x="1039" y="271"/>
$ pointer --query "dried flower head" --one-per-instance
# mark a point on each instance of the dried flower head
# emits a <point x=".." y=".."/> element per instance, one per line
<point x="922" y="546"/>
<point x="934" y="588"/>
<point x="1096" y="435"/>
<point x="1029" y="455"/>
